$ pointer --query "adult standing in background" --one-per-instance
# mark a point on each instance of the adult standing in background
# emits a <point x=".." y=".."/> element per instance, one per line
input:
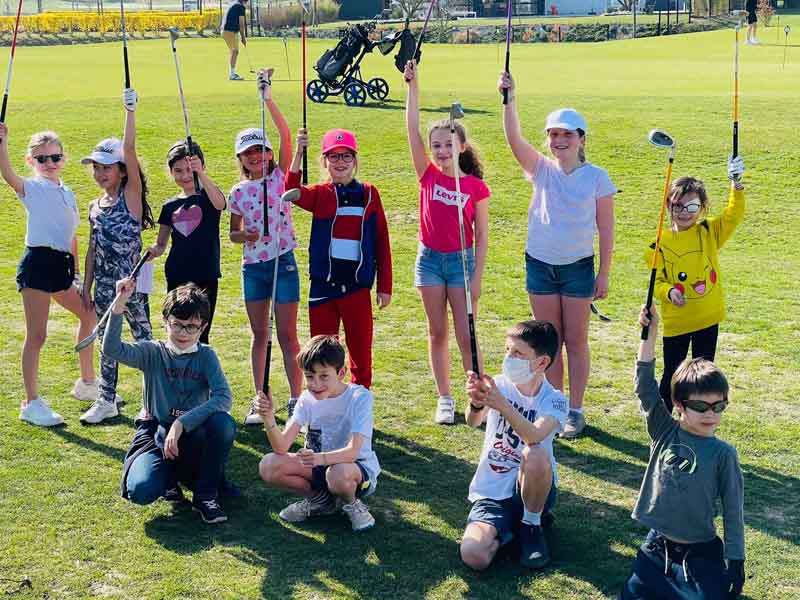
<point x="234" y="26"/>
<point x="752" y="21"/>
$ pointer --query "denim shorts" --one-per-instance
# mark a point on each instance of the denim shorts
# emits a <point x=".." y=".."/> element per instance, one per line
<point x="45" y="269"/>
<point x="257" y="280"/>
<point x="506" y="515"/>
<point x="575" y="280"/>
<point x="441" y="268"/>
<point x="320" y="482"/>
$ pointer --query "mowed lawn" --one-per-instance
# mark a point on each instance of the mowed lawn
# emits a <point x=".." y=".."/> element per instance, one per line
<point x="63" y="522"/>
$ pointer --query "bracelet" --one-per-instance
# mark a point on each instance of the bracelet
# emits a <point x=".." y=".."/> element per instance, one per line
<point x="476" y="408"/>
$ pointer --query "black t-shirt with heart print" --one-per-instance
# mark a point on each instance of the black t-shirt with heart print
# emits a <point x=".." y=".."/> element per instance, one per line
<point x="194" y="254"/>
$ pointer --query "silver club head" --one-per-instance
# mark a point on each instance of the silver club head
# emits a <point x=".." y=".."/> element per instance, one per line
<point x="291" y="195"/>
<point x="174" y="34"/>
<point x="456" y="111"/>
<point x="86" y="342"/>
<point x="661" y="139"/>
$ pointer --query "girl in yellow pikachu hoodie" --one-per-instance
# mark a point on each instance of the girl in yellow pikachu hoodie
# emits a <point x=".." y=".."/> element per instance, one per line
<point x="688" y="280"/>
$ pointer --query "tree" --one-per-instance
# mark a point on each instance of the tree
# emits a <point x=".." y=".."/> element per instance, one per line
<point x="410" y="7"/>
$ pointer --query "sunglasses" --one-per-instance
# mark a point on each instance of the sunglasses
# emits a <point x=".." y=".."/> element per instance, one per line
<point x="189" y="329"/>
<point x="43" y="158"/>
<point x="701" y="407"/>
<point x="345" y="157"/>
<point x="691" y="208"/>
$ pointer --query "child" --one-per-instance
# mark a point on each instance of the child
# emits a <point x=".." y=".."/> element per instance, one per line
<point x="191" y="220"/>
<point x="337" y="467"/>
<point x="262" y="245"/>
<point x="514" y="486"/>
<point x="688" y="280"/>
<point x="689" y="471"/>
<point x="349" y="248"/>
<point x="439" y="274"/>
<point x="49" y="266"/>
<point x="571" y="198"/>
<point x="190" y="433"/>
<point x="117" y="218"/>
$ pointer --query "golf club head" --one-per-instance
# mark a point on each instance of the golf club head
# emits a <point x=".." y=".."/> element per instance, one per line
<point x="174" y="34"/>
<point x="456" y="111"/>
<point x="86" y="342"/>
<point x="291" y="195"/>
<point x="661" y="139"/>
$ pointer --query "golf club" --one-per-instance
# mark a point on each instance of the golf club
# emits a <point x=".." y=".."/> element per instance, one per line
<point x="599" y="315"/>
<point x="87" y="341"/>
<point x="735" y="151"/>
<point x="662" y="140"/>
<point x="264" y="152"/>
<point x="286" y="51"/>
<point x="508" y="45"/>
<point x="124" y="43"/>
<point x="173" y="36"/>
<point x="422" y="33"/>
<point x="457" y="112"/>
<point x="249" y="63"/>
<point x="305" y="115"/>
<point x="288" y="196"/>
<point x="10" y="64"/>
<point x="786" y="31"/>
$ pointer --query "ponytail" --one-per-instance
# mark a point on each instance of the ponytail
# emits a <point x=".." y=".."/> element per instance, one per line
<point x="469" y="160"/>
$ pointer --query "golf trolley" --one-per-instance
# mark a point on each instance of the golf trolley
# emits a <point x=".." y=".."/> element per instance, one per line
<point x="339" y="69"/>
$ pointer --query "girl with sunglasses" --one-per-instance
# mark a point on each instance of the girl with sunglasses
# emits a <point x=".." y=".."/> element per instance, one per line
<point x="688" y="280"/>
<point x="49" y="266"/>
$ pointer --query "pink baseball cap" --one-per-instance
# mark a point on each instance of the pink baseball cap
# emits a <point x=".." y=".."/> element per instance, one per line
<point x="337" y="138"/>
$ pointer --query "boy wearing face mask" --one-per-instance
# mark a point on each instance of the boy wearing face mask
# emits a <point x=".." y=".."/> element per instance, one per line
<point x="515" y="482"/>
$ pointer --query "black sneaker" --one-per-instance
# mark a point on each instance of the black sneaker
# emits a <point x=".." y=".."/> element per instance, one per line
<point x="534" y="551"/>
<point x="174" y="495"/>
<point x="210" y="510"/>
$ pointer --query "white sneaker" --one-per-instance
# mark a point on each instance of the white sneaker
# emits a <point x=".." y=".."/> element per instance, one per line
<point x="253" y="418"/>
<point x="235" y="77"/>
<point x="754" y="42"/>
<point x="99" y="412"/>
<point x="359" y="515"/>
<point x="85" y="391"/>
<point x="37" y="412"/>
<point x="304" y="509"/>
<point x="445" y="410"/>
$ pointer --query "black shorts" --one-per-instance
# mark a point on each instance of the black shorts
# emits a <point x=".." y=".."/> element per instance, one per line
<point x="45" y="269"/>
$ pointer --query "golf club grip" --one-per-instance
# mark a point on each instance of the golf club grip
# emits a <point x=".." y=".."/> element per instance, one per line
<point x="735" y="151"/>
<point x="650" y="289"/>
<point x="195" y="177"/>
<point x="473" y="345"/>
<point x="127" y="69"/>
<point x="265" y="383"/>
<point x="305" y="166"/>
<point x="3" y="109"/>
<point x="508" y="59"/>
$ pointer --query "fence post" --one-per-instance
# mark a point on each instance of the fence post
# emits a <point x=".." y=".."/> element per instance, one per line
<point x="659" y="21"/>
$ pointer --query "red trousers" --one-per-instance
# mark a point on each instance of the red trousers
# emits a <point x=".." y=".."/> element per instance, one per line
<point x="355" y="311"/>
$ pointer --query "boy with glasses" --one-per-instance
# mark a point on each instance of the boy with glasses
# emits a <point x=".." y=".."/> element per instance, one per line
<point x="689" y="472"/>
<point x="190" y="433"/>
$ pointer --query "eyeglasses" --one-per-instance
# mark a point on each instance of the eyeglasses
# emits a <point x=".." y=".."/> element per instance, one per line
<point x="43" y="158"/>
<point x="691" y="208"/>
<point x="701" y="407"/>
<point x="345" y="157"/>
<point x="189" y="329"/>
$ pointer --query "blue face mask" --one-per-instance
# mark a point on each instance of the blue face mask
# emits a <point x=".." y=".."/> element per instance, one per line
<point x="517" y="370"/>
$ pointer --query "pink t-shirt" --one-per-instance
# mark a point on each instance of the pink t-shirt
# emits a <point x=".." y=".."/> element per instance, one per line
<point x="246" y="200"/>
<point x="438" y="209"/>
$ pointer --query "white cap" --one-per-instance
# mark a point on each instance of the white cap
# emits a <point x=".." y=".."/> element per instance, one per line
<point x="107" y="152"/>
<point x="251" y="137"/>
<point x="566" y="118"/>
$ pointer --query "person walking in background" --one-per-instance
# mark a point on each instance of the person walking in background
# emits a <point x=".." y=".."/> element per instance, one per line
<point x="234" y="27"/>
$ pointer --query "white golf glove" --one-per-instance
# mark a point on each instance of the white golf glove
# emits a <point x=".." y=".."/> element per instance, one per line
<point x="129" y="99"/>
<point x="735" y="168"/>
<point x="264" y="81"/>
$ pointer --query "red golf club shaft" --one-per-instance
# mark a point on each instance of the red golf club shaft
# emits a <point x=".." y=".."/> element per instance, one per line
<point x="509" y="35"/>
<point x="10" y="64"/>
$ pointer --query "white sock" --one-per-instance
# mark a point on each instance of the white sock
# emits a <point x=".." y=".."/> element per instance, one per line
<point x="233" y="70"/>
<point x="576" y="410"/>
<point x="532" y="518"/>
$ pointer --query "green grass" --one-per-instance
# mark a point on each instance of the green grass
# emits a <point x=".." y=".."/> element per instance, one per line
<point x="63" y="522"/>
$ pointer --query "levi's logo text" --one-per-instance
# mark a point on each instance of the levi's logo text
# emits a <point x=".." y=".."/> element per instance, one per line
<point x="449" y="197"/>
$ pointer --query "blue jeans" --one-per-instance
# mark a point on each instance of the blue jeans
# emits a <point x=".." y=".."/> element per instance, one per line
<point x="202" y="454"/>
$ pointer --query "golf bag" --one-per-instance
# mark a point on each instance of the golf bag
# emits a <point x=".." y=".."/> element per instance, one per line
<point x="407" y="46"/>
<point x="334" y="62"/>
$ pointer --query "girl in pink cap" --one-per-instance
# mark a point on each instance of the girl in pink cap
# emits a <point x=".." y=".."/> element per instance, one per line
<point x="571" y="199"/>
<point x="264" y="244"/>
<point x="439" y="275"/>
<point x="348" y="250"/>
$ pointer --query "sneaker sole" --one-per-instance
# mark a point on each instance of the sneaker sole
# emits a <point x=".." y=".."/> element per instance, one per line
<point x="87" y="422"/>
<point x="221" y="519"/>
<point x="535" y="564"/>
<point x="53" y="424"/>
<point x="365" y="528"/>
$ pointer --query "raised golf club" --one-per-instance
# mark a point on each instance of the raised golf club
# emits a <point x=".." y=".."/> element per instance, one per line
<point x="286" y="51"/>
<point x="663" y="140"/>
<point x="173" y="37"/>
<point x="509" y="35"/>
<point x="124" y="43"/>
<point x="735" y="151"/>
<point x="415" y="56"/>
<point x="88" y="340"/>
<point x="457" y="112"/>
<point x="305" y="112"/>
<point x="10" y="64"/>
<point x="786" y="31"/>
<point x="249" y="63"/>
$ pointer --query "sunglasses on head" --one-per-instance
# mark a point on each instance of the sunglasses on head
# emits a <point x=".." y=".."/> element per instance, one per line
<point x="701" y="407"/>
<point x="43" y="158"/>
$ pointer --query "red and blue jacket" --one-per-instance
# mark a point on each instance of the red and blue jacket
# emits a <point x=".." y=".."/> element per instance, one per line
<point x="349" y="244"/>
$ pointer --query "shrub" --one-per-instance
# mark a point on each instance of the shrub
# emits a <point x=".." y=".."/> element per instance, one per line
<point x="291" y="15"/>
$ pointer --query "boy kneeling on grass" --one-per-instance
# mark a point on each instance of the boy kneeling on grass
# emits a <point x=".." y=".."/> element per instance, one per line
<point x="514" y="486"/>
<point x="689" y="470"/>
<point x="337" y="466"/>
<point x="184" y="432"/>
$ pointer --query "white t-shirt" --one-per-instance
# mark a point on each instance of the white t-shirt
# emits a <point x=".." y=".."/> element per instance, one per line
<point x="337" y="419"/>
<point x="52" y="213"/>
<point x="501" y="456"/>
<point x="563" y="211"/>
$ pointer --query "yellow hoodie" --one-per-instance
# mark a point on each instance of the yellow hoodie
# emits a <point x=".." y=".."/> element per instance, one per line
<point x="689" y="261"/>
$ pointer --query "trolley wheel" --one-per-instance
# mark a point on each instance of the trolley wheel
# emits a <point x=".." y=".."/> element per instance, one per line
<point x="378" y="88"/>
<point x="355" y="93"/>
<point x="317" y="90"/>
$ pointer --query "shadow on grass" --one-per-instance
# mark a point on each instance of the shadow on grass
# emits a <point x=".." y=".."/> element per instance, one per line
<point x="87" y="442"/>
